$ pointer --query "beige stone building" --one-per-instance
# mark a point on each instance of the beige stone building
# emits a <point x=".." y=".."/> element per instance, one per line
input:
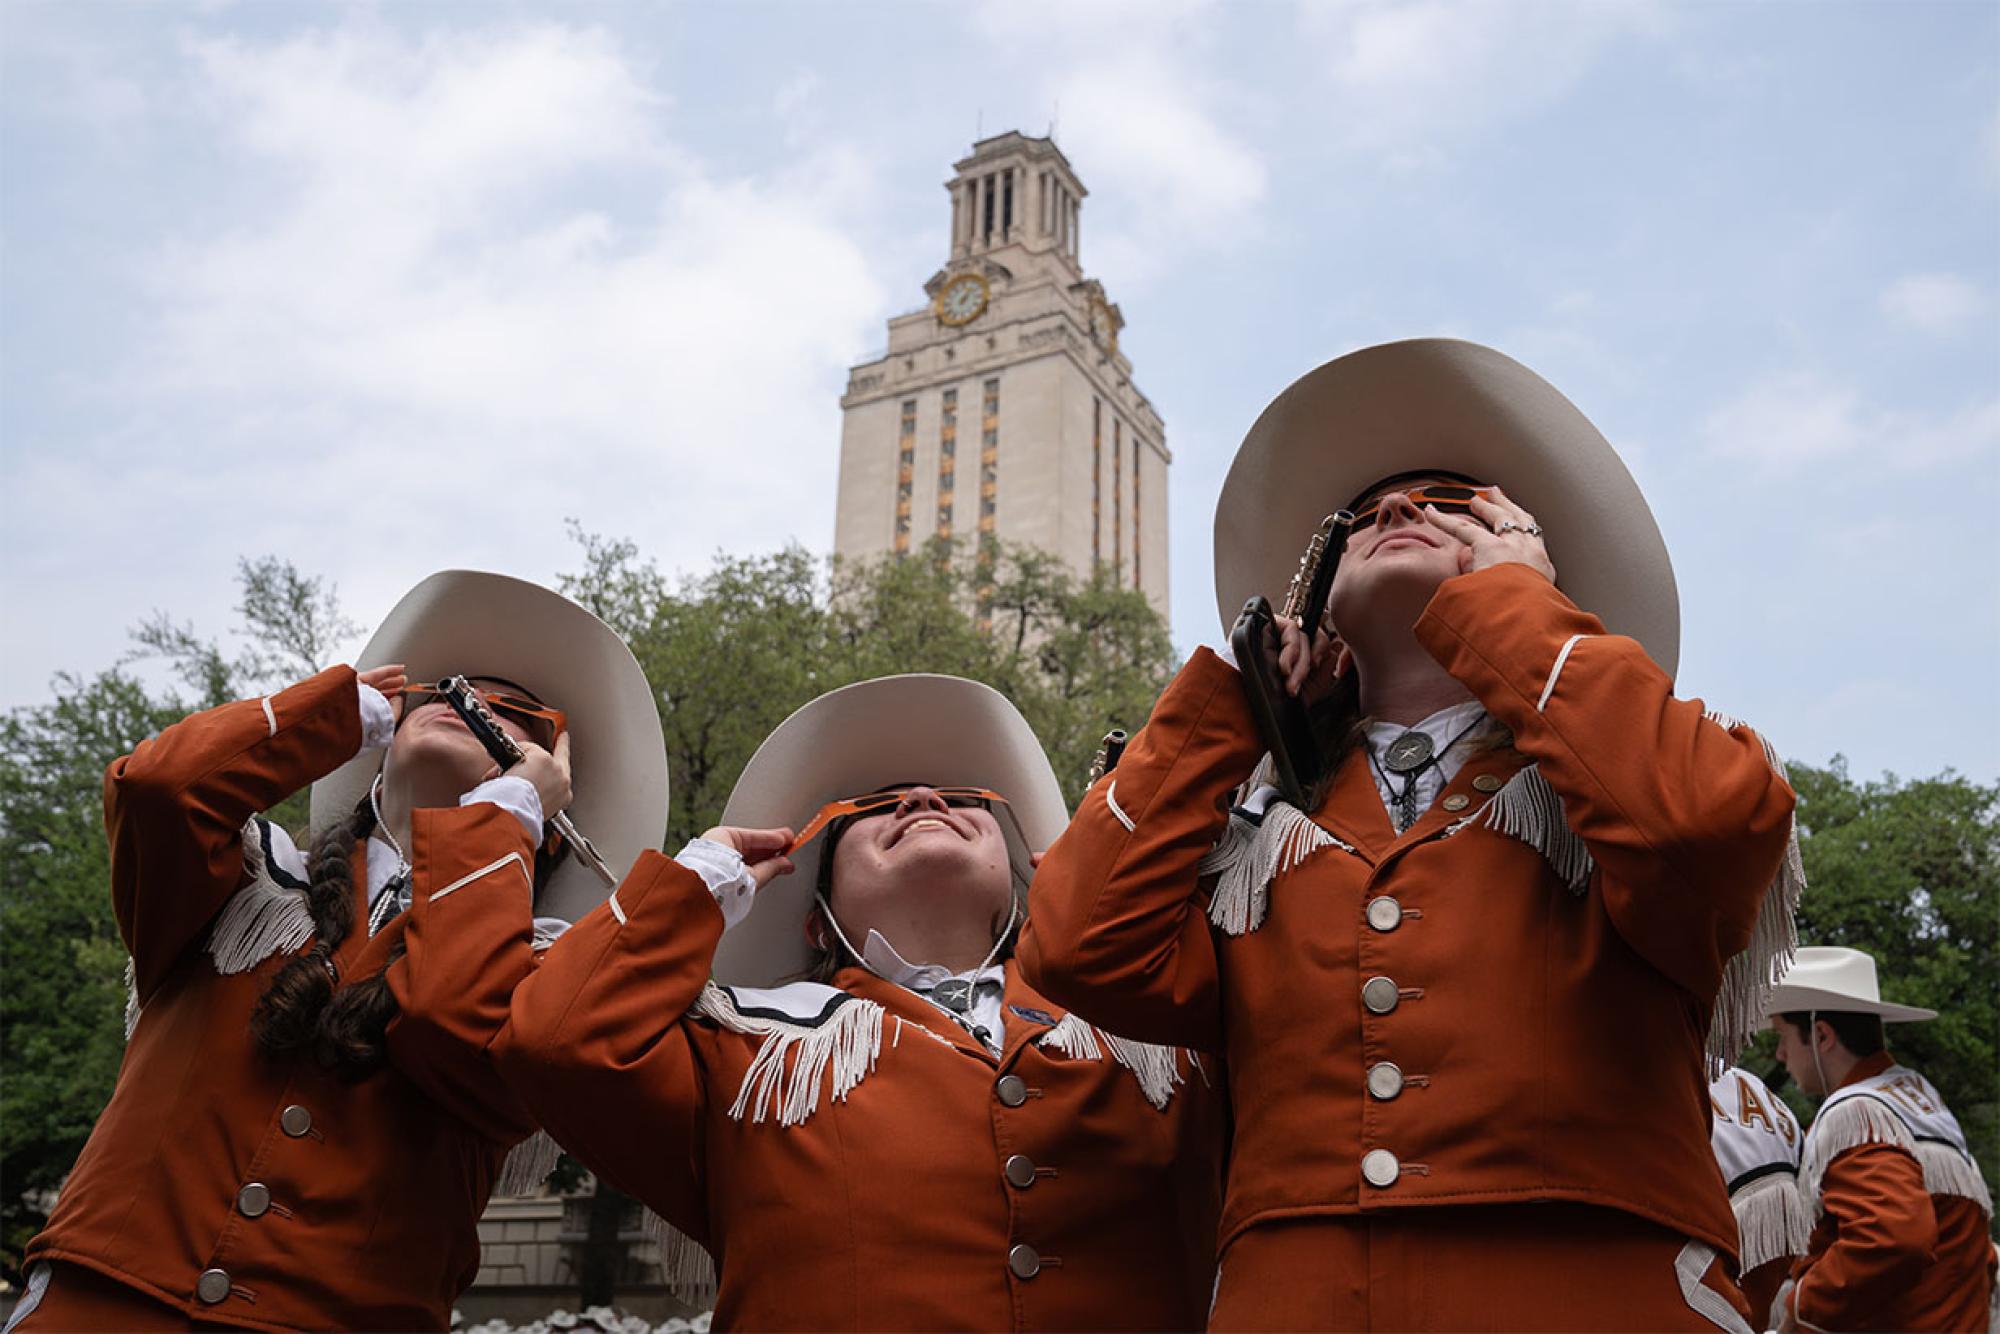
<point x="1003" y="408"/>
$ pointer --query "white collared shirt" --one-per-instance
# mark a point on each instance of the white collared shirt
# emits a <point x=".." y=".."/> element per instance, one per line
<point x="989" y="984"/>
<point x="1442" y="727"/>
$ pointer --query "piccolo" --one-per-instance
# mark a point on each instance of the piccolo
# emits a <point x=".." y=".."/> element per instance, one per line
<point x="1106" y="758"/>
<point x="507" y="753"/>
<point x="1312" y="582"/>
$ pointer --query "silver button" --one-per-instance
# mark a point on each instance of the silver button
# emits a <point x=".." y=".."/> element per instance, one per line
<point x="1025" y="1261"/>
<point x="1384" y="913"/>
<point x="1457" y="801"/>
<point x="212" y="1286"/>
<point x="1012" y="1090"/>
<point x="295" y="1121"/>
<point x="1488" y="782"/>
<point x="1379" y="994"/>
<point x="253" y="1199"/>
<point x="1385" y="1080"/>
<point x="1380" y="1167"/>
<point x="1021" y="1171"/>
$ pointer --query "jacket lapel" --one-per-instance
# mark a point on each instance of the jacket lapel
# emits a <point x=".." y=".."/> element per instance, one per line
<point x="1488" y="769"/>
<point x="1028" y="1015"/>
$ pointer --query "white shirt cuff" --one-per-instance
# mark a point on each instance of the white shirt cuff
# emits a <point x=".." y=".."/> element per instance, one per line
<point x="1227" y="652"/>
<point x="721" y="868"/>
<point x="378" y="720"/>
<point x="516" y="796"/>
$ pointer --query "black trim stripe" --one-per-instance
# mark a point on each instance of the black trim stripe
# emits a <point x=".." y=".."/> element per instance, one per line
<point x="279" y="875"/>
<point x="762" y="1012"/>
<point x="1759" y="1173"/>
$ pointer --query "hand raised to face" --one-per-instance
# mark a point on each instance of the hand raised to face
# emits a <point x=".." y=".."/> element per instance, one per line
<point x="762" y="850"/>
<point x="547" y="770"/>
<point x="1499" y="532"/>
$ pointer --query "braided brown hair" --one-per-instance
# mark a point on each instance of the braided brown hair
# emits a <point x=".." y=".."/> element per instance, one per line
<point x="288" y="1014"/>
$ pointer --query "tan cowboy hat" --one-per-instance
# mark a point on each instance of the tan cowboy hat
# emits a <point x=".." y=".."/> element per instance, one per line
<point x="940" y="730"/>
<point x="1829" y="977"/>
<point x="468" y="621"/>
<point x="1456" y="406"/>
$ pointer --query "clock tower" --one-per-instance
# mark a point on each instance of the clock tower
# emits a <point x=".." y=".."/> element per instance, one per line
<point x="1004" y="409"/>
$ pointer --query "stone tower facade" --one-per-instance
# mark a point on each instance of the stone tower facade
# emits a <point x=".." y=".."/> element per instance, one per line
<point x="1004" y="408"/>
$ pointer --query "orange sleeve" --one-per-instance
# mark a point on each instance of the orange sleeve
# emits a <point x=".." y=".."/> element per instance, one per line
<point x="600" y="1048"/>
<point x="1885" y="1231"/>
<point x="1686" y="820"/>
<point x="1117" y="926"/>
<point x="468" y="942"/>
<point x="174" y="808"/>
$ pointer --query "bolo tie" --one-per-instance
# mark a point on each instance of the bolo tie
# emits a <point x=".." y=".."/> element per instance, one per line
<point x="1408" y="757"/>
<point x="954" y="996"/>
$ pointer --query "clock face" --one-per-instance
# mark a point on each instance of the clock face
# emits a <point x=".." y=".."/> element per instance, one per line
<point x="962" y="300"/>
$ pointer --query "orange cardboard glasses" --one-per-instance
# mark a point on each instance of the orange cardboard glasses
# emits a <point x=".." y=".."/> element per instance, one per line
<point x="877" y="803"/>
<point x="542" y="723"/>
<point x="1445" y="497"/>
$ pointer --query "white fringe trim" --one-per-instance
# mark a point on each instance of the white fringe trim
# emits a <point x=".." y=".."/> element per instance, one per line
<point x="685" y="1263"/>
<point x="849" y="1041"/>
<point x="1251" y="856"/>
<point x="1529" y="809"/>
<point x="1739" y="1005"/>
<point x="1772" y="1221"/>
<point x="132" y="1007"/>
<point x="1847" y="1124"/>
<point x="1157" y="1069"/>
<point x="1949" y="1172"/>
<point x="261" y="919"/>
<point x="528" y="1165"/>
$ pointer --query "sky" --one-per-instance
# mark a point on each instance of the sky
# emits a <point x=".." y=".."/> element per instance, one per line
<point x="382" y="289"/>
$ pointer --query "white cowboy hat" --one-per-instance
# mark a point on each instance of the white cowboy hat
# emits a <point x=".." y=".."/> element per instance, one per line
<point x="471" y="622"/>
<point x="1456" y="406"/>
<point x="940" y="730"/>
<point x="1831" y="978"/>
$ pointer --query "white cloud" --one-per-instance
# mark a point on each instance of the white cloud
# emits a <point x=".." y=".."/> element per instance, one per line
<point x="1799" y="420"/>
<point x="464" y="288"/>
<point x="1935" y="303"/>
<point x="1183" y="181"/>
<point x="1409" y="79"/>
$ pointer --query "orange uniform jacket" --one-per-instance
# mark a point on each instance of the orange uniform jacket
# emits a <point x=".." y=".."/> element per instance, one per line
<point x="374" y="1188"/>
<point x="947" y="1189"/>
<point x="1526" y="1040"/>
<point x="1888" y="1253"/>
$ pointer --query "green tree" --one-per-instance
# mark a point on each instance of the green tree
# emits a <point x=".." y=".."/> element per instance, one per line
<point x="1909" y="870"/>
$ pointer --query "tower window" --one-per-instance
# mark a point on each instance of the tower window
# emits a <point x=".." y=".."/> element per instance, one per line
<point x="989" y="458"/>
<point x="906" y="468"/>
<point x="1007" y="206"/>
<point x="947" y="461"/>
<point x="1135" y="511"/>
